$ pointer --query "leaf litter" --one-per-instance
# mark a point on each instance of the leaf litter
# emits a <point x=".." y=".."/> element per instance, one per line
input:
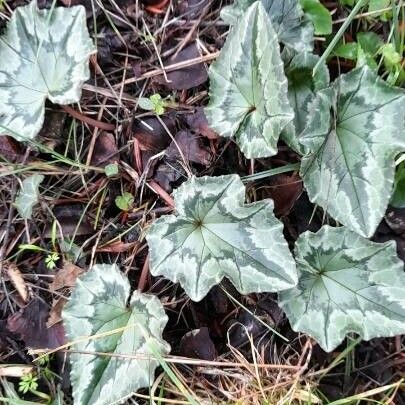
<point x="77" y="216"/>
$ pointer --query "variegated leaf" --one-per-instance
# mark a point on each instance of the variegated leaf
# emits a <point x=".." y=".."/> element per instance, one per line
<point x="346" y="284"/>
<point x="98" y="319"/>
<point x="302" y="88"/>
<point x="355" y="129"/>
<point x="215" y="235"/>
<point x="248" y="88"/>
<point x="43" y="54"/>
<point x="28" y="195"/>
<point x="293" y="28"/>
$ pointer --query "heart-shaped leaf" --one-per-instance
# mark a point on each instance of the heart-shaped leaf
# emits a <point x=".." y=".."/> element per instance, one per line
<point x="98" y="319"/>
<point x="28" y="195"/>
<point x="302" y="88"/>
<point x="346" y="284"/>
<point x="355" y="129"/>
<point x="215" y="235"/>
<point x="43" y="54"/>
<point x="293" y="28"/>
<point x="248" y="88"/>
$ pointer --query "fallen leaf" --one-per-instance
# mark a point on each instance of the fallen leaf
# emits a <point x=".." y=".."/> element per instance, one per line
<point x="71" y="220"/>
<point x="10" y="149"/>
<point x="66" y="277"/>
<point x="198" y="344"/>
<point x="285" y="190"/>
<point x="188" y="77"/>
<point x="191" y="147"/>
<point x="151" y="134"/>
<point x="168" y="173"/>
<point x="30" y="324"/>
<point x="198" y="123"/>
<point x="17" y="280"/>
<point x="55" y="314"/>
<point x="105" y="150"/>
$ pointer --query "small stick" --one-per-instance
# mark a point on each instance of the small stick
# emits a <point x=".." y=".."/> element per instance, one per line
<point x="143" y="279"/>
<point x="90" y="121"/>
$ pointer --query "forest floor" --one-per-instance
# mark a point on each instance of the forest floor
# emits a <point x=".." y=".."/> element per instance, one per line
<point x="234" y="356"/>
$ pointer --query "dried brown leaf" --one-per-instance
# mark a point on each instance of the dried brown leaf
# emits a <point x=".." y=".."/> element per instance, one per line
<point x="17" y="280"/>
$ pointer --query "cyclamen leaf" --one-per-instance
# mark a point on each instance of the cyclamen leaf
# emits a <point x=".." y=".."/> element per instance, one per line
<point x="302" y="88"/>
<point x="215" y="235"/>
<point x="248" y="88"/>
<point x="98" y="310"/>
<point x="355" y="129"/>
<point x="346" y="284"/>
<point x="28" y="195"/>
<point x="43" y="54"/>
<point x="292" y="27"/>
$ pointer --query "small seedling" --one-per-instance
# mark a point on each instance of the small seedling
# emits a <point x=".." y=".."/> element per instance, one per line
<point x="124" y="202"/>
<point x="51" y="260"/>
<point x="154" y="103"/>
<point x="28" y="382"/>
<point x="111" y="170"/>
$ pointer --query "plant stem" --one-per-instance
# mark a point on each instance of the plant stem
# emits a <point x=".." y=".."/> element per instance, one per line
<point x="271" y="172"/>
<point x="338" y="35"/>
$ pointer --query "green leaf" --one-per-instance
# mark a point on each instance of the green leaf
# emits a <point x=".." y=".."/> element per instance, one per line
<point x="124" y="202"/>
<point x="398" y="197"/>
<point x="347" y="51"/>
<point x="111" y="170"/>
<point x="215" y="235"/>
<point x="248" y="88"/>
<point x="391" y="56"/>
<point x="319" y="15"/>
<point x="370" y="42"/>
<point x="98" y="319"/>
<point x="346" y="284"/>
<point x="302" y="88"/>
<point x="28" y="195"/>
<point x="43" y="54"/>
<point x="376" y="5"/>
<point x="292" y="27"/>
<point x="355" y="129"/>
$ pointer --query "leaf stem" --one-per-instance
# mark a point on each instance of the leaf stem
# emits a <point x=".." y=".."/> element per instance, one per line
<point x="271" y="172"/>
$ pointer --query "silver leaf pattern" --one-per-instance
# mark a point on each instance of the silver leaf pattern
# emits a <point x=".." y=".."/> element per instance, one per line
<point x="302" y="89"/>
<point x="215" y="235"/>
<point x="354" y="130"/>
<point x="97" y="319"/>
<point x="346" y="284"/>
<point x="43" y="54"/>
<point x="248" y="88"/>
<point x="294" y="29"/>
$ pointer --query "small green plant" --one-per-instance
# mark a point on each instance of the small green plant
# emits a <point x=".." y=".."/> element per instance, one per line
<point x="51" y="259"/>
<point x="124" y="202"/>
<point x="28" y="383"/>
<point x="154" y="103"/>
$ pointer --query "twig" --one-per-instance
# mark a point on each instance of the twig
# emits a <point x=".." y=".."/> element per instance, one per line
<point x="90" y="121"/>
